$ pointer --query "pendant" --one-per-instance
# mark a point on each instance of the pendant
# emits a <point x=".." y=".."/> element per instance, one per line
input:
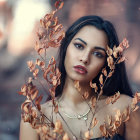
<point x="74" y="138"/>
<point x="79" y="116"/>
<point x="85" y="118"/>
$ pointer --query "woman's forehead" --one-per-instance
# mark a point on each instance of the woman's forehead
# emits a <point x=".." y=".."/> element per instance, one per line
<point x="92" y="35"/>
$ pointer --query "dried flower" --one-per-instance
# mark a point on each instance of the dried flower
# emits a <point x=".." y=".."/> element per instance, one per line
<point x="113" y="98"/>
<point x="58" y="127"/>
<point x="66" y="137"/>
<point x="77" y="85"/>
<point x="93" y="85"/>
<point x="94" y="122"/>
<point x="101" y="79"/>
<point x="88" y="134"/>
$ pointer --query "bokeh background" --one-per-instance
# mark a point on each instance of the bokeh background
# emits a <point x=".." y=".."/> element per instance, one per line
<point x="19" y="21"/>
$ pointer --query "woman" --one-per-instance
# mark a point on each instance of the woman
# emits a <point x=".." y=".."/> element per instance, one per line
<point x="82" y="58"/>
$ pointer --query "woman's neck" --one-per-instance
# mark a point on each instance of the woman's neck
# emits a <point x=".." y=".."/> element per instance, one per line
<point x="72" y="96"/>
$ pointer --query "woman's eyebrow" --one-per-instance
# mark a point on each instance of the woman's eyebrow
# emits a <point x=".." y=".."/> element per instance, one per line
<point x="81" y="40"/>
<point x="100" y="48"/>
<point x="97" y="47"/>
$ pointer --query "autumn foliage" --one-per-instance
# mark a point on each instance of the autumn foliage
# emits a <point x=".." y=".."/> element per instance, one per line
<point x="50" y="34"/>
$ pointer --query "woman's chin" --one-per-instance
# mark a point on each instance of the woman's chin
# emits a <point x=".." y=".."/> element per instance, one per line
<point x="81" y="79"/>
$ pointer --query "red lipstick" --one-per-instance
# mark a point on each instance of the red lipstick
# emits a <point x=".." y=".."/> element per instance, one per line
<point x="80" y="69"/>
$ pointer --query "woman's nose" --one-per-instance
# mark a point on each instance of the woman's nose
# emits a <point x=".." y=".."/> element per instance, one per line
<point x="84" y="58"/>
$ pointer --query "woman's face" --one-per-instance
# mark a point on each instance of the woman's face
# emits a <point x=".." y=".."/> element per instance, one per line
<point x="86" y="54"/>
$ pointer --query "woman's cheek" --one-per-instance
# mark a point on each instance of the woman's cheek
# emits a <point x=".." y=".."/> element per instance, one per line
<point x="96" y="69"/>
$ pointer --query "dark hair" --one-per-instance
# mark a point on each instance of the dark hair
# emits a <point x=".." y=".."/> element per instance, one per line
<point x="118" y="81"/>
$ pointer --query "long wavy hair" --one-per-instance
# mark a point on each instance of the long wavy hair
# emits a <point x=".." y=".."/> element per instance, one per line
<point x="118" y="81"/>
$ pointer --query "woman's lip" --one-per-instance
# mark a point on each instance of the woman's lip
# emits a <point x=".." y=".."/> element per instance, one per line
<point x="80" y="69"/>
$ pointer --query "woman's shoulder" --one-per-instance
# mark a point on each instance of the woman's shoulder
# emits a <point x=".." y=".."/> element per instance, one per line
<point x="121" y="103"/>
<point x="48" y="108"/>
<point x="26" y="129"/>
<point x="46" y="105"/>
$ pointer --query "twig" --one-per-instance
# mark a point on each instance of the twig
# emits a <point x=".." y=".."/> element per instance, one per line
<point x="67" y="124"/>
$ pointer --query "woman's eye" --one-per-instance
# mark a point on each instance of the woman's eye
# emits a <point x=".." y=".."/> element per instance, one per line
<point x="79" y="46"/>
<point x="98" y="54"/>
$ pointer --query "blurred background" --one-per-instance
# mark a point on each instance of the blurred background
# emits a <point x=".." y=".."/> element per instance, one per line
<point x="19" y="21"/>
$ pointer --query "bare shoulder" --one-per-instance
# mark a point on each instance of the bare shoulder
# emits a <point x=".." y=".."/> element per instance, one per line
<point x="27" y="132"/>
<point x="122" y="103"/>
<point x="46" y="108"/>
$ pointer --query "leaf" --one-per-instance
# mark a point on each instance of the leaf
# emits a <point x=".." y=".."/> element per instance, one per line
<point x="54" y="22"/>
<point x="137" y="95"/>
<point x="134" y="100"/>
<point x="58" y="127"/>
<point x="125" y="43"/>
<point x="113" y="99"/>
<point x="110" y="61"/>
<point x="87" y="135"/>
<point x="126" y="114"/>
<point x="52" y="61"/>
<point x="61" y="37"/>
<point x="47" y="24"/>
<point x="52" y="91"/>
<point x="104" y="71"/>
<point x="117" y="115"/>
<point x="121" y="60"/>
<point x="59" y="4"/>
<point x="46" y="72"/>
<point x="109" y="119"/>
<point x="37" y="102"/>
<point x="101" y="79"/>
<point x="127" y="118"/>
<point x="86" y="95"/>
<point x="30" y="80"/>
<point x="35" y="72"/>
<point x="26" y="106"/>
<point x="23" y="90"/>
<point x="115" y="54"/>
<point x="52" y="44"/>
<point x="120" y="49"/>
<point x="40" y="50"/>
<point x="21" y="93"/>
<point x="108" y="100"/>
<point x="77" y="86"/>
<point x="109" y="51"/>
<point x="103" y="130"/>
<point x="27" y="118"/>
<point x="136" y="108"/>
<point x="34" y="94"/>
<point x="94" y="122"/>
<point x="66" y="137"/>
<point x="34" y="113"/>
<point x="110" y="73"/>
<point x="93" y="85"/>
<point x="45" y="129"/>
<point x="41" y="22"/>
<point x="31" y="65"/>
<point x="42" y="118"/>
<point x="56" y="109"/>
<point x="93" y="101"/>
<point x="58" y="27"/>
